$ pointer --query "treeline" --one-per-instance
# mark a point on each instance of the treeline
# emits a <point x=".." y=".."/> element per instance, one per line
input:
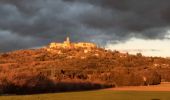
<point x="32" y="83"/>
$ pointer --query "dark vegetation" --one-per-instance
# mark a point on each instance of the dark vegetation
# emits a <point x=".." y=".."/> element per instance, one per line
<point x="40" y="71"/>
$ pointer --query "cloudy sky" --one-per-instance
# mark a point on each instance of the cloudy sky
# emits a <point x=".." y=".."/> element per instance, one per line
<point x="127" y="25"/>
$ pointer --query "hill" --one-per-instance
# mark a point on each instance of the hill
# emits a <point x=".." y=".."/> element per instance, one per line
<point x="67" y="68"/>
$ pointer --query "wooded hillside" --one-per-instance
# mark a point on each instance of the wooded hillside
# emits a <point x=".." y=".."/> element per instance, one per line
<point x="40" y="71"/>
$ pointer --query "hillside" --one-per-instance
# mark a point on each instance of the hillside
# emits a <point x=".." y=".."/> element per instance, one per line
<point x="65" y="69"/>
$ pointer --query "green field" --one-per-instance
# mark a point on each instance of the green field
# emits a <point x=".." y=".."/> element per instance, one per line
<point x="94" y="95"/>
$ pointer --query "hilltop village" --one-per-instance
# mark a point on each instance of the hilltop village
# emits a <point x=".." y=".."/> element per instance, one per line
<point x="57" y="47"/>
<point x="68" y="45"/>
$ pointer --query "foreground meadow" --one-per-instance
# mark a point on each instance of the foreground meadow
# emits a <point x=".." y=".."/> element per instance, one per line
<point x="95" y="95"/>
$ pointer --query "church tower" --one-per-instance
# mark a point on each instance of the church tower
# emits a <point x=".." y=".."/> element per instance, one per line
<point x="68" y="40"/>
<point x="67" y="43"/>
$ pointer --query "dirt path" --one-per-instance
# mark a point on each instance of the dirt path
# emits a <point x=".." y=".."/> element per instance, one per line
<point x="161" y="87"/>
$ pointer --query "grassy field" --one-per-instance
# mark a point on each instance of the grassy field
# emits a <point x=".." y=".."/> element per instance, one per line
<point x="95" y="95"/>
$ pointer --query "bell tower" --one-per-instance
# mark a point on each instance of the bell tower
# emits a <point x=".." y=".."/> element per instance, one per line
<point x="67" y="43"/>
<point x="68" y="40"/>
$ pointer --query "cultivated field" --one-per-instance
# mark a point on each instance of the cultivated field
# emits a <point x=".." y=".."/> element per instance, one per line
<point x="95" y="95"/>
<point x="107" y="94"/>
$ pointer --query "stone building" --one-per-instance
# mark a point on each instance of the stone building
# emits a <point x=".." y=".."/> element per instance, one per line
<point x="68" y="45"/>
<point x="65" y="44"/>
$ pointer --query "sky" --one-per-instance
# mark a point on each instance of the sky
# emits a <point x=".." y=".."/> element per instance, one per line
<point x="126" y="25"/>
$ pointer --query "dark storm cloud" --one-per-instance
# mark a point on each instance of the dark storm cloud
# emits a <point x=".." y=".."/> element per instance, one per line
<point x="13" y="41"/>
<point x="139" y="16"/>
<point x="100" y="21"/>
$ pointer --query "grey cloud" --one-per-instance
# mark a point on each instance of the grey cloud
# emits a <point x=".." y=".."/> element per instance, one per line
<point x="122" y="17"/>
<point x="83" y="20"/>
<point x="10" y="41"/>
